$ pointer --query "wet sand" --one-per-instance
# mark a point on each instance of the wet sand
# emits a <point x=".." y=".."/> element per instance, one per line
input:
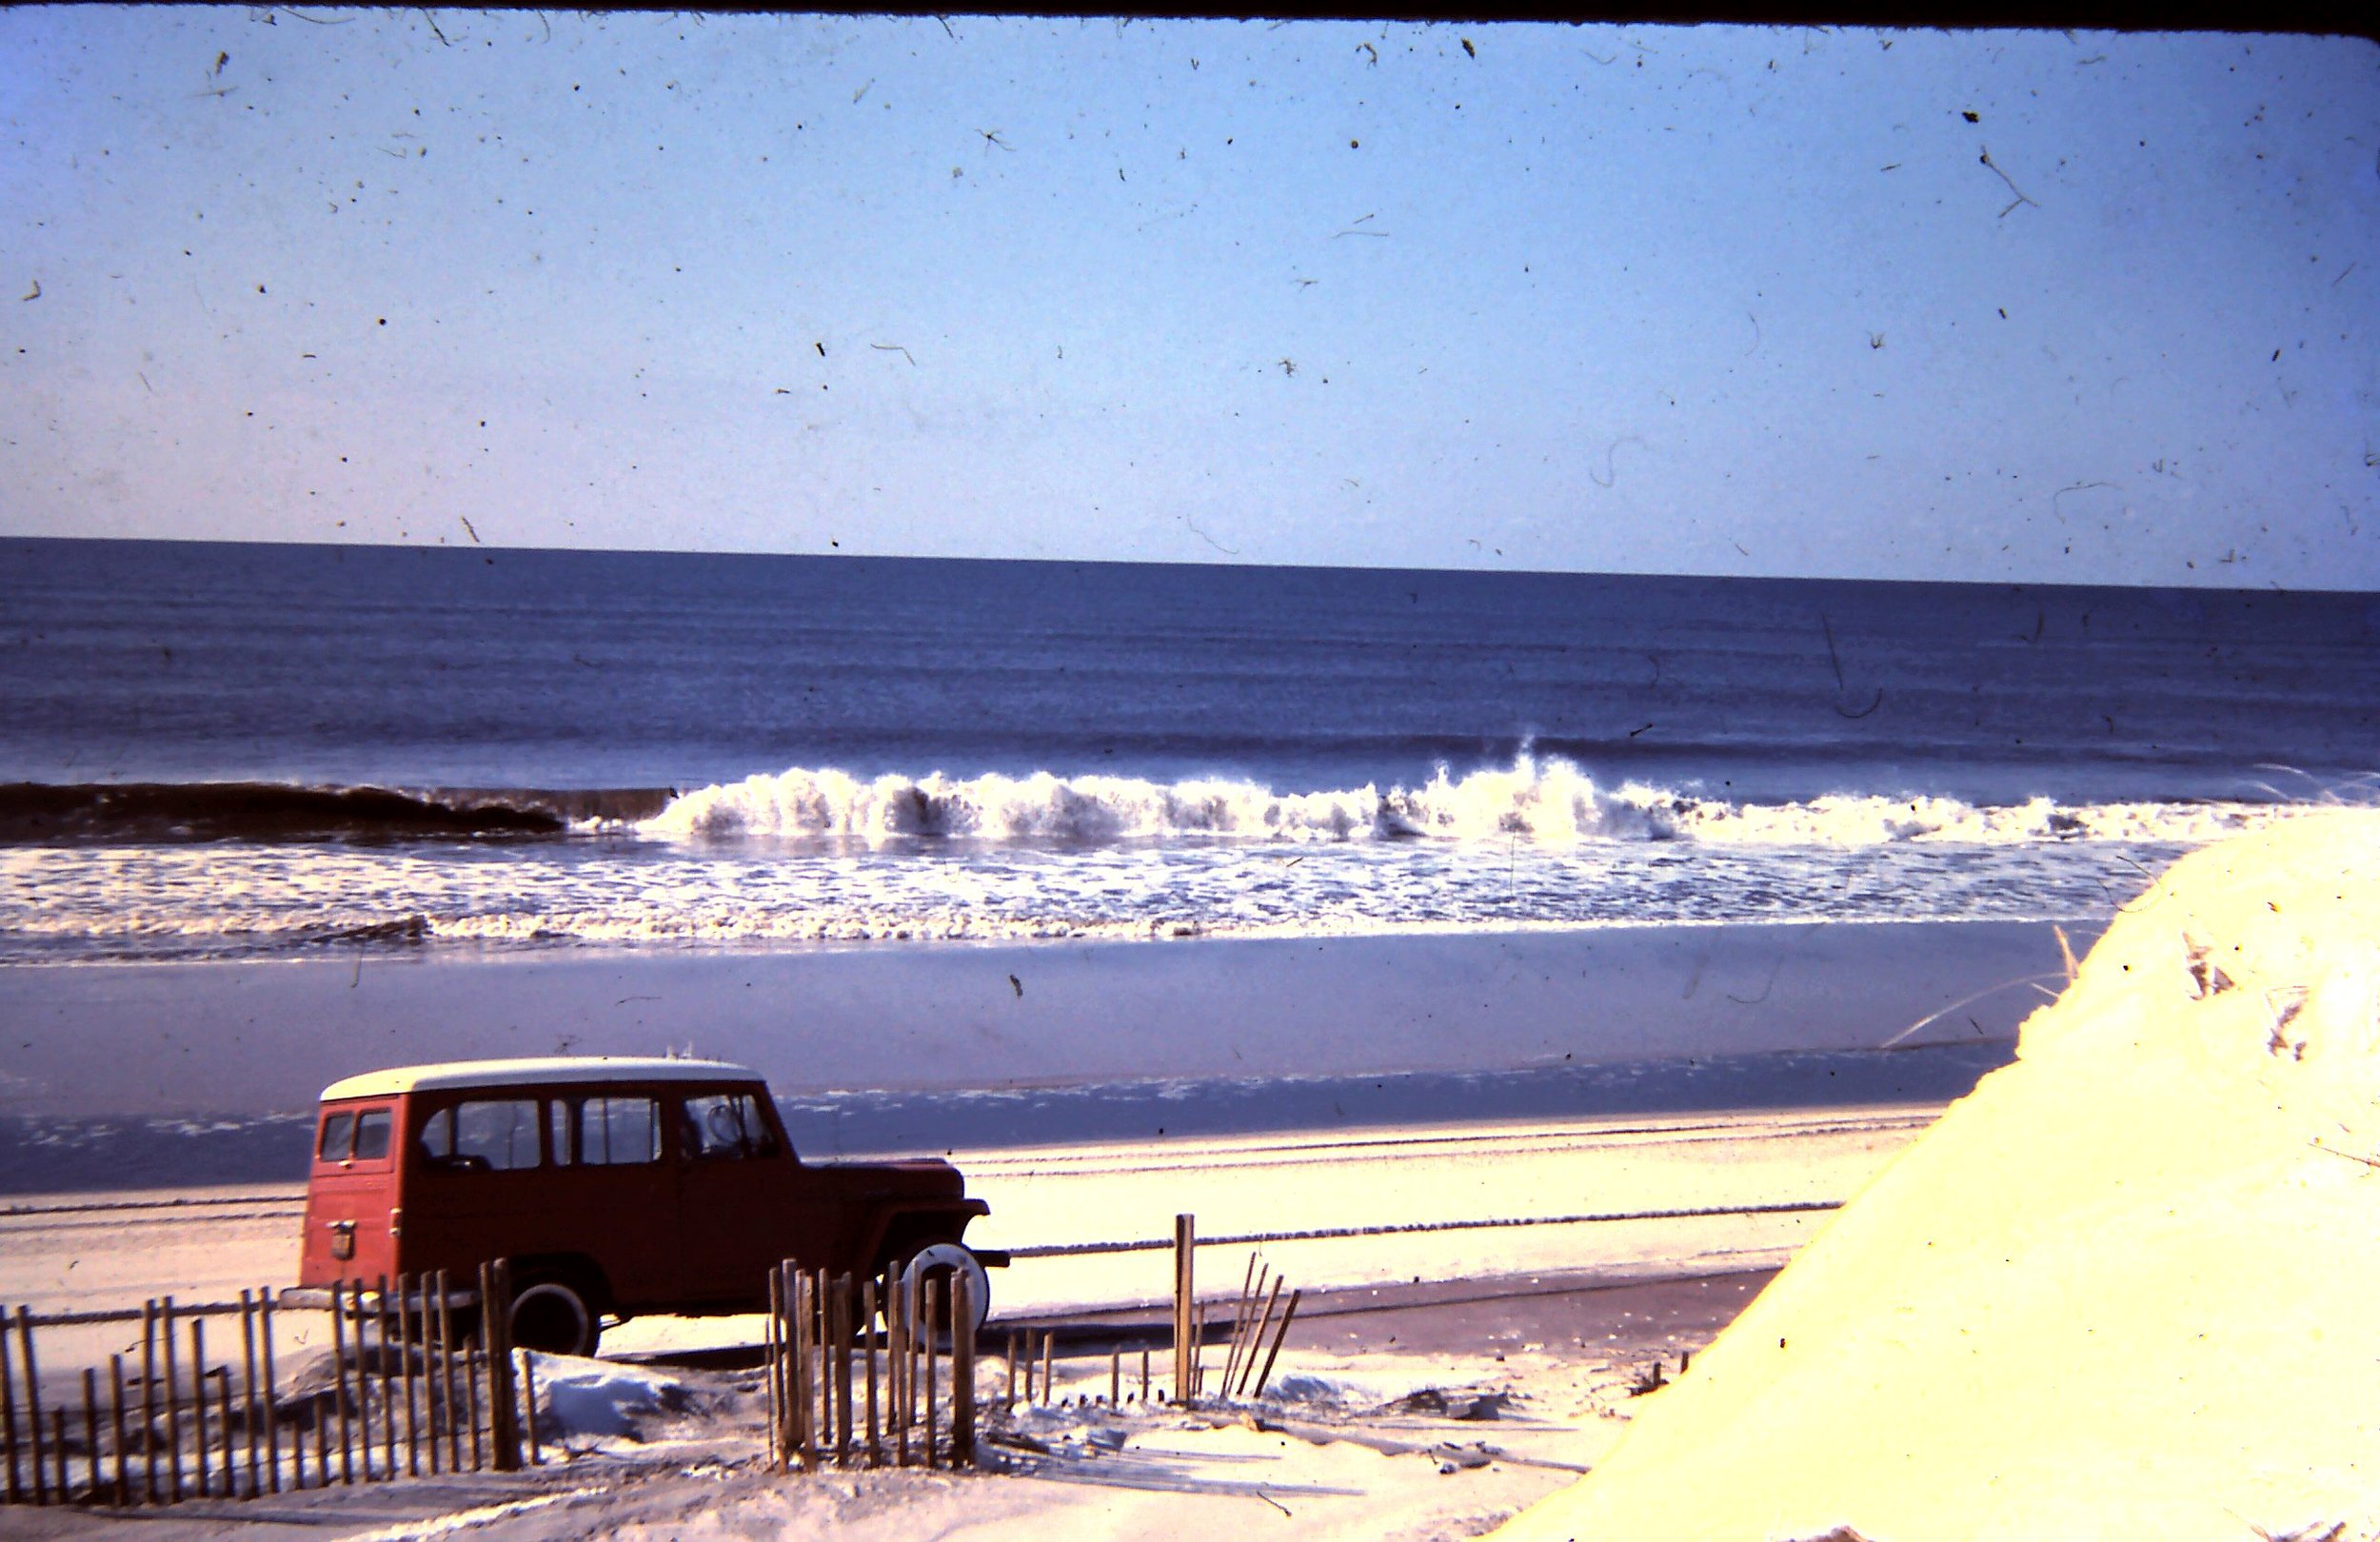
<point x="256" y="1037"/>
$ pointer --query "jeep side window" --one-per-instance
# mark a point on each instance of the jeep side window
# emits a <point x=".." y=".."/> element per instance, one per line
<point x="338" y="1138"/>
<point x="726" y="1126"/>
<point x="495" y="1135"/>
<point x="616" y="1131"/>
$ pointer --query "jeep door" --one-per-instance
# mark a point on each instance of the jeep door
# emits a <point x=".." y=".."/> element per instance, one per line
<point x="744" y="1203"/>
<point x="614" y="1190"/>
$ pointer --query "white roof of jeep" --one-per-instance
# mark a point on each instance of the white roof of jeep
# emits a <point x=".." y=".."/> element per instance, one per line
<point x="539" y="1070"/>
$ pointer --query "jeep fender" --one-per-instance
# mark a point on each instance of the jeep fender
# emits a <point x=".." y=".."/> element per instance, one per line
<point x="905" y="1227"/>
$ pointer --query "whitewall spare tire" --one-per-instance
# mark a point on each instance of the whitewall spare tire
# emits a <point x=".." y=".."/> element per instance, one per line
<point x="947" y="1261"/>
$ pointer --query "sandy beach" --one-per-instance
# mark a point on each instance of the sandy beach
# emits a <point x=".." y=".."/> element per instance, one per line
<point x="1437" y="1381"/>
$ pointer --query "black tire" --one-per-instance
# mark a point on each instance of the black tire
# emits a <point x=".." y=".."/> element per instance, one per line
<point x="554" y="1317"/>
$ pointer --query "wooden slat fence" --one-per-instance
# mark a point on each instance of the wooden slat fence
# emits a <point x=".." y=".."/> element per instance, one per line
<point x="183" y="1418"/>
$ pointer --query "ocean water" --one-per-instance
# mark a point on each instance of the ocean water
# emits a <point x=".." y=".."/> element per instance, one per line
<point x="241" y="751"/>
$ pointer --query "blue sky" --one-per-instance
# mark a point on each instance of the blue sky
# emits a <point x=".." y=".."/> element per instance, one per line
<point x="1629" y="299"/>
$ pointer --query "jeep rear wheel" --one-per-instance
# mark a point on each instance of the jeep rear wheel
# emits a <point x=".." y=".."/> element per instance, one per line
<point x="553" y="1317"/>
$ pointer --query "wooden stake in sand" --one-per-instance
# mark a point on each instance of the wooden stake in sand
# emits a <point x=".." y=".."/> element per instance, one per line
<point x="272" y="1411"/>
<point x="90" y="1432"/>
<point x="504" y="1430"/>
<point x="529" y="1404"/>
<point x="842" y="1369"/>
<point x="772" y="1369"/>
<point x="339" y="1358"/>
<point x="115" y="1416"/>
<point x="1256" y="1341"/>
<point x="148" y="1398"/>
<point x="7" y="1408"/>
<point x="896" y="1365"/>
<point x="961" y="1372"/>
<point x="867" y="1340"/>
<point x="1294" y="1297"/>
<point x="32" y="1402"/>
<point x="247" y="1359"/>
<point x="406" y="1290"/>
<point x="223" y="1407"/>
<point x="1185" y="1243"/>
<point x="1248" y="1286"/>
<point x="198" y="1397"/>
<point x="446" y="1371"/>
<point x="471" y="1357"/>
<point x="930" y="1323"/>
<point x="388" y="1381"/>
<point x="804" y="1359"/>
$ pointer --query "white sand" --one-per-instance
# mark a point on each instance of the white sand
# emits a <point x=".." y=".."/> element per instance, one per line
<point x="2130" y="1287"/>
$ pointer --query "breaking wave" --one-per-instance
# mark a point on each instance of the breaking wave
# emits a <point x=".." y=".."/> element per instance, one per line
<point x="264" y="811"/>
<point x="1548" y="801"/>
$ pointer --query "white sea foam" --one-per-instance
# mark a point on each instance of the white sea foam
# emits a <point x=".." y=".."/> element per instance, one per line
<point x="821" y="857"/>
<point x="1548" y="801"/>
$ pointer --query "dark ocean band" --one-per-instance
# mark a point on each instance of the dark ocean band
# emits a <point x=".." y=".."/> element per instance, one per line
<point x="163" y="813"/>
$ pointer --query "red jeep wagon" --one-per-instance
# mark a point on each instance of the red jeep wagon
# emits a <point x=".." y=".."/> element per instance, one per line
<point x="615" y="1186"/>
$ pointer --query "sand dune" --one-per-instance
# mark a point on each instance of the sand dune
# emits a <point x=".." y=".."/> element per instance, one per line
<point x="2125" y="1288"/>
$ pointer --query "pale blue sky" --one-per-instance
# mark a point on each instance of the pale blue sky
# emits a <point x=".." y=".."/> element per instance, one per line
<point x="1716" y="300"/>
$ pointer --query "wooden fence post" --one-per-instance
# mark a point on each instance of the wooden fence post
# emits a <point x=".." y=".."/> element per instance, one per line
<point x="816" y="1407"/>
<point x="842" y="1369"/>
<point x="223" y="1407"/>
<point x="1278" y="1337"/>
<point x="388" y="1383"/>
<point x="8" y="1406"/>
<point x="272" y="1399"/>
<point x="780" y="1397"/>
<point x="406" y="1289"/>
<point x="472" y="1356"/>
<point x="148" y="1398"/>
<point x="1257" y="1341"/>
<point x="173" y="1398"/>
<point x="504" y="1430"/>
<point x="90" y="1431"/>
<point x="897" y="1360"/>
<point x="1238" y="1316"/>
<point x="198" y="1400"/>
<point x="247" y="1360"/>
<point x="33" y="1401"/>
<point x="339" y="1358"/>
<point x="931" y="1322"/>
<point x="115" y="1416"/>
<point x="1185" y="1243"/>
<point x="529" y="1404"/>
<point x="445" y="1369"/>
<point x="962" y="1371"/>
<point x="868" y="1330"/>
